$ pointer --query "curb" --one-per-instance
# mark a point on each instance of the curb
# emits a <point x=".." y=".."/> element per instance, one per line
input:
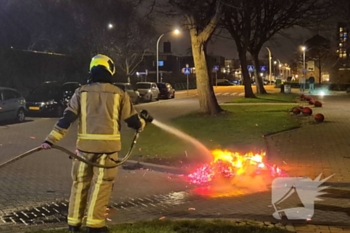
<point x="278" y="103"/>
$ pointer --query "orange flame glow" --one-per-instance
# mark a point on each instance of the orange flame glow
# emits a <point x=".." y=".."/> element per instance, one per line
<point x="230" y="165"/>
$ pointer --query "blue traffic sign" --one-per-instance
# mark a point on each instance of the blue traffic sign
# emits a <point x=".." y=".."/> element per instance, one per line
<point x="250" y="68"/>
<point x="216" y="68"/>
<point x="262" y="68"/>
<point x="187" y="70"/>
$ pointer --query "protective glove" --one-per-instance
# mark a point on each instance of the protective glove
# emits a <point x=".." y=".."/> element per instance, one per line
<point x="143" y="125"/>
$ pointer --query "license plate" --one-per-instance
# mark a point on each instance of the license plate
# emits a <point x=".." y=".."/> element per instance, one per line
<point x="34" y="108"/>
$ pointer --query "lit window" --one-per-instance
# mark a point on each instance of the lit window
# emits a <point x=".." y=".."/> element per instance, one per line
<point x="341" y="34"/>
<point x="345" y="35"/>
<point x="340" y="29"/>
<point x="340" y="45"/>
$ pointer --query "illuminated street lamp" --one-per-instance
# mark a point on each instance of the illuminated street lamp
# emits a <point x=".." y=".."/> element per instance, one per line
<point x="110" y="26"/>
<point x="303" y="48"/>
<point x="270" y="65"/>
<point x="176" y="32"/>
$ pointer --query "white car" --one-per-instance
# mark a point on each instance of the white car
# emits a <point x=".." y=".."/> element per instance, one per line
<point x="12" y="105"/>
<point x="148" y="91"/>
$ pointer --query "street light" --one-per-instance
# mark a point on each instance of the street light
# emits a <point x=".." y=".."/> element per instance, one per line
<point x="270" y="65"/>
<point x="110" y="26"/>
<point x="304" y="65"/>
<point x="176" y="32"/>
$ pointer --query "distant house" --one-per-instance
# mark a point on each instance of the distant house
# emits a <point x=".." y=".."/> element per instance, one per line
<point x="319" y="58"/>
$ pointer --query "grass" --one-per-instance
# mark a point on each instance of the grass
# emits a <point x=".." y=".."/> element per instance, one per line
<point x="186" y="226"/>
<point x="240" y="128"/>
<point x="268" y="98"/>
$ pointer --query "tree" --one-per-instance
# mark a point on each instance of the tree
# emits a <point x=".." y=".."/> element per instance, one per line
<point x="252" y="23"/>
<point x="237" y="21"/>
<point x="34" y="25"/>
<point x="137" y="35"/>
<point x="202" y="18"/>
<point x="121" y="33"/>
<point x="324" y="58"/>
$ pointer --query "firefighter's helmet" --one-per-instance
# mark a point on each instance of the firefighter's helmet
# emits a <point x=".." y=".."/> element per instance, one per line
<point x="104" y="61"/>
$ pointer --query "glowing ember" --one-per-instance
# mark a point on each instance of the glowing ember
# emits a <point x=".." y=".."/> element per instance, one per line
<point x="229" y="165"/>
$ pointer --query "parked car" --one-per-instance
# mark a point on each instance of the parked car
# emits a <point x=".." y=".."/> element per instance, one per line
<point x="166" y="90"/>
<point x="225" y="83"/>
<point x="148" y="91"/>
<point x="12" y="105"/>
<point x="128" y="88"/>
<point x="51" y="98"/>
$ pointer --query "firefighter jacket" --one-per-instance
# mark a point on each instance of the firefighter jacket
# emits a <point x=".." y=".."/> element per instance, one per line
<point x="100" y="108"/>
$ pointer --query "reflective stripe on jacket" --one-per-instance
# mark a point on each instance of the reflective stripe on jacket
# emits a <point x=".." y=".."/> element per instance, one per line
<point x="100" y="107"/>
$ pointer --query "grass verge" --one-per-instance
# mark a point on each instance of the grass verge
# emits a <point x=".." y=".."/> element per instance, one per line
<point x="186" y="226"/>
<point x="240" y="128"/>
<point x="268" y="98"/>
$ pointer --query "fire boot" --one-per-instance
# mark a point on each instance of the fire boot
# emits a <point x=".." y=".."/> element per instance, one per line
<point x="97" y="230"/>
<point x="74" y="229"/>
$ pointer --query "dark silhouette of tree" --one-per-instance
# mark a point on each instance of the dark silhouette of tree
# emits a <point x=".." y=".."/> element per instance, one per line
<point x="121" y="33"/>
<point x="37" y="25"/>
<point x="252" y="23"/>
<point x="201" y="19"/>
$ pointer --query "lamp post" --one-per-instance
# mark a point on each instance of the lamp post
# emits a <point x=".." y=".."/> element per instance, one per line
<point x="304" y="65"/>
<point x="176" y="31"/>
<point x="270" y="64"/>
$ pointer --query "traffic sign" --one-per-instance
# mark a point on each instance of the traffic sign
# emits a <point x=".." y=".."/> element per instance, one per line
<point x="250" y="68"/>
<point x="263" y="68"/>
<point x="187" y="70"/>
<point x="216" y="68"/>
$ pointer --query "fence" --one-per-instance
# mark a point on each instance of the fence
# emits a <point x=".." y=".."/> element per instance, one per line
<point x="183" y="86"/>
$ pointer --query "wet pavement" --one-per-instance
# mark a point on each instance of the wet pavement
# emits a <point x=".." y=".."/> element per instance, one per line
<point x="34" y="191"/>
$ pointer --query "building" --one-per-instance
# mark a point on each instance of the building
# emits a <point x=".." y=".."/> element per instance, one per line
<point x="342" y="41"/>
<point x="171" y="65"/>
<point x="343" y="49"/>
<point x="319" y="58"/>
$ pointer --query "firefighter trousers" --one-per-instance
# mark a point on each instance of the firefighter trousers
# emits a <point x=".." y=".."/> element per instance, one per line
<point x="91" y="190"/>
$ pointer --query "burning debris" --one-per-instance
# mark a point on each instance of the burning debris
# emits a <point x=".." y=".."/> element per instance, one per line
<point x="229" y="165"/>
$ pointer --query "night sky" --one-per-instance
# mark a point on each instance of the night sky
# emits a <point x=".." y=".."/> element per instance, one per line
<point x="282" y="48"/>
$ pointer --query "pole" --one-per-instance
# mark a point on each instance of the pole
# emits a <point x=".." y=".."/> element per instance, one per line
<point x="157" y="65"/>
<point x="216" y="78"/>
<point x="270" y="63"/>
<point x="187" y="85"/>
<point x="304" y="67"/>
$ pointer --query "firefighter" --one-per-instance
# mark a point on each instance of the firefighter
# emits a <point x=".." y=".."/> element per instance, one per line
<point x="100" y="107"/>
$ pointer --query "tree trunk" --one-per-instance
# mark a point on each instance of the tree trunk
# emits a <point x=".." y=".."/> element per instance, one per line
<point x="207" y="101"/>
<point x="319" y="69"/>
<point x="247" y="82"/>
<point x="127" y="69"/>
<point x="258" y="80"/>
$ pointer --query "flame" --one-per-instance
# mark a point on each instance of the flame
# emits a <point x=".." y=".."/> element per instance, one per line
<point x="232" y="165"/>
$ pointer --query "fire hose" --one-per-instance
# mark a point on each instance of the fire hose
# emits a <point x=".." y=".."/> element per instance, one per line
<point x="143" y="114"/>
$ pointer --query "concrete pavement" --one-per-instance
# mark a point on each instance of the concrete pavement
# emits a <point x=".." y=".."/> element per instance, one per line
<point x="144" y="194"/>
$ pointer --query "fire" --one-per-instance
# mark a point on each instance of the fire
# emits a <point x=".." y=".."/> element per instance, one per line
<point x="231" y="165"/>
